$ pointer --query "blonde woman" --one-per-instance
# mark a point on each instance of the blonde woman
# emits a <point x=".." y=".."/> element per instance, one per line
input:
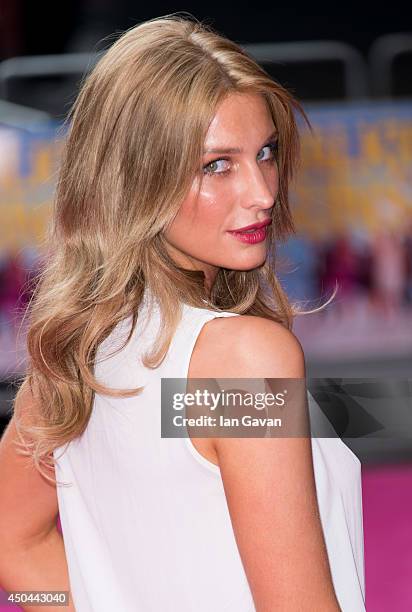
<point x="178" y="142"/>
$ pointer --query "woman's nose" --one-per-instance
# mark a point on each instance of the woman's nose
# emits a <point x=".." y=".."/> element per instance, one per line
<point x="257" y="190"/>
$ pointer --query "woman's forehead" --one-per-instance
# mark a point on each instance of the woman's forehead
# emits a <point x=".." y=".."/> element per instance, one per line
<point x="239" y="117"/>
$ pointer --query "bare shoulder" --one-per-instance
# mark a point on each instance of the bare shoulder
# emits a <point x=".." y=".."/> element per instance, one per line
<point x="269" y="482"/>
<point x="247" y="346"/>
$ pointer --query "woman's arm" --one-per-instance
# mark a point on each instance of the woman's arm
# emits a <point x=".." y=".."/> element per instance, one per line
<point x="32" y="556"/>
<point x="269" y="482"/>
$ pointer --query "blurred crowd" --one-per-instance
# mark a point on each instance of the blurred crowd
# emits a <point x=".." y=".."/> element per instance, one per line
<point x="376" y="268"/>
<point x="17" y="271"/>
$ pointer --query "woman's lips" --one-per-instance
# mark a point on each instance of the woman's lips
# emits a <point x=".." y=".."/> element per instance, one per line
<point x="251" y="237"/>
<point x="253" y="226"/>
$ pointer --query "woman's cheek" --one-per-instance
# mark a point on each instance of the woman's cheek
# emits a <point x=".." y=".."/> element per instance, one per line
<point x="215" y="213"/>
<point x="220" y="191"/>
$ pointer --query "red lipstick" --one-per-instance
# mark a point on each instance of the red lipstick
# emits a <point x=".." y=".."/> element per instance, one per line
<point x="252" y="234"/>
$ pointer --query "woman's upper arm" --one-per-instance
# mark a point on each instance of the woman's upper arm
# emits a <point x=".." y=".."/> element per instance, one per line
<point x="28" y="502"/>
<point x="269" y="482"/>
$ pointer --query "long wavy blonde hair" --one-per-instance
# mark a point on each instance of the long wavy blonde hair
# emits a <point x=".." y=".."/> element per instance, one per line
<point x="134" y="143"/>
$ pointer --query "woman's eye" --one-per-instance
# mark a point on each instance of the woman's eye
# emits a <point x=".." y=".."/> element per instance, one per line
<point x="272" y="146"/>
<point x="213" y="167"/>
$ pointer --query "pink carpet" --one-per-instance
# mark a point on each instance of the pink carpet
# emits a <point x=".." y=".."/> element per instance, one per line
<point x="387" y="511"/>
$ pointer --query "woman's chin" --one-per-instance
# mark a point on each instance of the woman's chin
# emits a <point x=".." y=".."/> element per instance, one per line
<point x="246" y="263"/>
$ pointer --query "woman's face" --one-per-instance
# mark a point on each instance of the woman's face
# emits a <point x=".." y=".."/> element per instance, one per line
<point x="238" y="187"/>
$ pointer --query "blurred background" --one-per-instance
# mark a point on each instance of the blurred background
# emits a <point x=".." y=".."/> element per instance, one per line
<point x="352" y="203"/>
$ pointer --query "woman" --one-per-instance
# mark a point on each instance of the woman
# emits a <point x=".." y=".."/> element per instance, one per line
<point x="177" y="140"/>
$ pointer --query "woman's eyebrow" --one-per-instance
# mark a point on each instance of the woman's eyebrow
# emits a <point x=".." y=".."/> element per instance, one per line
<point x="234" y="150"/>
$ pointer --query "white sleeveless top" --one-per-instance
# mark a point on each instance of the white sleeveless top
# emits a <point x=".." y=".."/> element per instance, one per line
<point x="145" y="522"/>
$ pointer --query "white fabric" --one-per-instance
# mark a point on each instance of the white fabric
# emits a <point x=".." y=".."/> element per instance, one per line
<point x="145" y="521"/>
